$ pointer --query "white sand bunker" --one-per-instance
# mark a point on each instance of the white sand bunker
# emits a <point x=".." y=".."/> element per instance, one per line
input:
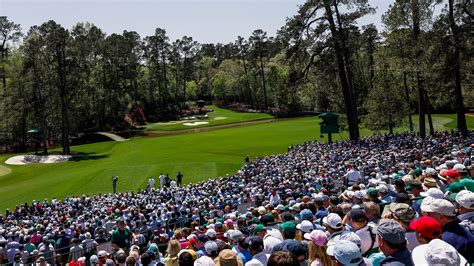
<point x="193" y="124"/>
<point x="29" y="159"/>
<point x="220" y="118"/>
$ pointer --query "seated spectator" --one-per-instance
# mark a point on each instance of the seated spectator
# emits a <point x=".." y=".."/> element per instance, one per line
<point x="392" y="243"/>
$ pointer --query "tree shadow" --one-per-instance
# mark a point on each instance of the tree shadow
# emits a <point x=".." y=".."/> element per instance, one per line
<point x="86" y="156"/>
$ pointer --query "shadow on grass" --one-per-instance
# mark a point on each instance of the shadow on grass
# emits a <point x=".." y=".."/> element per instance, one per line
<point x="86" y="156"/>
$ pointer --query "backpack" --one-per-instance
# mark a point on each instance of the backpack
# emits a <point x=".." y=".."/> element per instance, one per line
<point x="372" y="230"/>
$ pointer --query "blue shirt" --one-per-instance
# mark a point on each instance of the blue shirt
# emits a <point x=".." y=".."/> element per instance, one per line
<point x="459" y="238"/>
<point x="244" y="255"/>
<point x="401" y="257"/>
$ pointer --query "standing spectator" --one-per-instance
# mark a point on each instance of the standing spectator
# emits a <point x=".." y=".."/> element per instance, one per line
<point x="179" y="178"/>
<point x="62" y="245"/>
<point x="151" y="184"/>
<point x="114" y="183"/>
<point x="122" y="236"/>
<point x="352" y="175"/>
<point x="162" y="180"/>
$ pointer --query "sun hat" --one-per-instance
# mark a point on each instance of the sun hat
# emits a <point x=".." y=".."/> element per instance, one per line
<point x="429" y="182"/>
<point x="427" y="226"/>
<point x="318" y="237"/>
<point x="403" y="211"/>
<point x="333" y="220"/>
<point x="346" y="252"/>
<point x="465" y="198"/>
<point x="437" y="252"/>
<point x="391" y="232"/>
<point x="228" y="258"/>
<point x="441" y="206"/>
<point x="305" y="226"/>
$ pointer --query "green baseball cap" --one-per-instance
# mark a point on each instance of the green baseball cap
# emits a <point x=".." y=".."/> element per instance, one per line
<point x="288" y="227"/>
<point x="454" y="188"/>
<point x="258" y="228"/>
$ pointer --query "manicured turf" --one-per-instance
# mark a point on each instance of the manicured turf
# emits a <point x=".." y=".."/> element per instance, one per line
<point x="218" y="117"/>
<point x="198" y="156"/>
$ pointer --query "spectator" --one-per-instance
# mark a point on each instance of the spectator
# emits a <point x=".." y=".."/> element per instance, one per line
<point x="256" y="250"/>
<point x="437" y="252"/>
<point x="317" y="248"/>
<point x="453" y="233"/>
<point x="227" y="258"/>
<point x="171" y="258"/>
<point x="283" y="258"/>
<point x="392" y="243"/>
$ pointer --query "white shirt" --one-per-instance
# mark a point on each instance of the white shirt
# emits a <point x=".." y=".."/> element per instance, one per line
<point x="162" y="181"/>
<point x="204" y="261"/>
<point x="151" y="183"/>
<point x="366" y="239"/>
<point x="269" y="242"/>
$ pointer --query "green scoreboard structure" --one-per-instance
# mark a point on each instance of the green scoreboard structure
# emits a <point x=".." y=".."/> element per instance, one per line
<point x="329" y="125"/>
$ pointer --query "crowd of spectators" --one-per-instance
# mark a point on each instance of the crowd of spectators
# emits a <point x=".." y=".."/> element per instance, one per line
<point x="385" y="200"/>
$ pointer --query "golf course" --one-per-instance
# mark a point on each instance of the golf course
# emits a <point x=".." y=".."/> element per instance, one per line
<point x="198" y="155"/>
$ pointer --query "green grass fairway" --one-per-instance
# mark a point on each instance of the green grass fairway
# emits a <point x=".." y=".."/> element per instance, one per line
<point x="198" y="156"/>
<point x="218" y="117"/>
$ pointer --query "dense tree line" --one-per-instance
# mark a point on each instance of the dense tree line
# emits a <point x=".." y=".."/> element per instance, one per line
<point x="67" y="81"/>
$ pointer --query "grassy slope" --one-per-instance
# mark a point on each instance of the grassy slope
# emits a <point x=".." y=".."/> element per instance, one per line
<point x="198" y="156"/>
<point x="231" y="117"/>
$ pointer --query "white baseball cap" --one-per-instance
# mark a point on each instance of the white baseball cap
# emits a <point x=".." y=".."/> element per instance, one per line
<point x="333" y="220"/>
<point x="305" y="226"/>
<point x="465" y="198"/>
<point x="441" y="206"/>
<point x="435" y="193"/>
<point x="437" y="252"/>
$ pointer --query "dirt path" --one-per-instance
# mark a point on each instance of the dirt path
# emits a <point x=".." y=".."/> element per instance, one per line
<point x="112" y="136"/>
<point x="204" y="129"/>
